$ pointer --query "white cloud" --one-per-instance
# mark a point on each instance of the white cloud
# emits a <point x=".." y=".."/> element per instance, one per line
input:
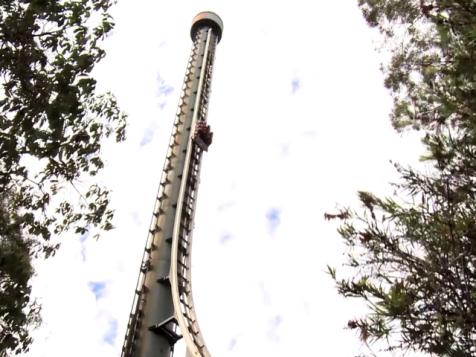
<point x="300" y="118"/>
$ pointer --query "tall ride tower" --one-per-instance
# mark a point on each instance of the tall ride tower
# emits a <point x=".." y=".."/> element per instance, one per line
<point x="163" y="310"/>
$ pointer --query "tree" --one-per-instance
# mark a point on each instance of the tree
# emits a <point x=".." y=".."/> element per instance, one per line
<point x="413" y="255"/>
<point x="52" y="121"/>
<point x="18" y="312"/>
<point x="414" y="264"/>
<point x="52" y="127"/>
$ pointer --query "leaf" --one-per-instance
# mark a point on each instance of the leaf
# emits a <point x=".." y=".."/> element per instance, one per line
<point x="332" y="272"/>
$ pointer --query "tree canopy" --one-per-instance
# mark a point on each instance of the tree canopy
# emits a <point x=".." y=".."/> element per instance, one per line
<point x="413" y="255"/>
<point x="53" y="123"/>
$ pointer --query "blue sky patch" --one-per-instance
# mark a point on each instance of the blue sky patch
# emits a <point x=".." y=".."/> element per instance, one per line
<point x="265" y="294"/>
<point x="83" y="253"/>
<point x="232" y="344"/>
<point x="98" y="288"/>
<point x="83" y="237"/>
<point x="225" y="238"/>
<point x="147" y="137"/>
<point x="277" y="321"/>
<point x="274" y="325"/>
<point x="295" y="85"/>
<point x="164" y="89"/>
<point x="82" y="240"/>
<point x="149" y="133"/>
<point x="273" y="216"/>
<point x="111" y="333"/>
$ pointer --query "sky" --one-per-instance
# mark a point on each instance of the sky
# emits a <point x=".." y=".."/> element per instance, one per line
<point x="300" y="121"/>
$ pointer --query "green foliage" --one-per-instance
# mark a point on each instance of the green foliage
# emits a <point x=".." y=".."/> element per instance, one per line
<point x="17" y="311"/>
<point x="52" y="126"/>
<point x="415" y="265"/>
<point x="52" y="121"/>
<point x="432" y="73"/>
<point x="413" y="255"/>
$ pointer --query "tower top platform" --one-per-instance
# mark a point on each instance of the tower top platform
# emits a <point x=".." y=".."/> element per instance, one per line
<point x="207" y="18"/>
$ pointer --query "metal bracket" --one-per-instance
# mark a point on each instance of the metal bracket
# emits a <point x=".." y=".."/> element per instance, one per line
<point x="167" y="329"/>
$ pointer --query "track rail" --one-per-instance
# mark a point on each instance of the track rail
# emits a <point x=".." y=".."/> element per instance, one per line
<point x="136" y="315"/>
<point x="183" y="160"/>
<point x="180" y="268"/>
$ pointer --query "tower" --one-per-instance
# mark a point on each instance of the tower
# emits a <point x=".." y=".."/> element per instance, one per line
<point x="162" y="310"/>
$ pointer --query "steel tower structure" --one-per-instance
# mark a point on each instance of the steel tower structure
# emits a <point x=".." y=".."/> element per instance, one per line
<point x="163" y="309"/>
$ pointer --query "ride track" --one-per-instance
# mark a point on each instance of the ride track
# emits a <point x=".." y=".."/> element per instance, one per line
<point x="163" y="301"/>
